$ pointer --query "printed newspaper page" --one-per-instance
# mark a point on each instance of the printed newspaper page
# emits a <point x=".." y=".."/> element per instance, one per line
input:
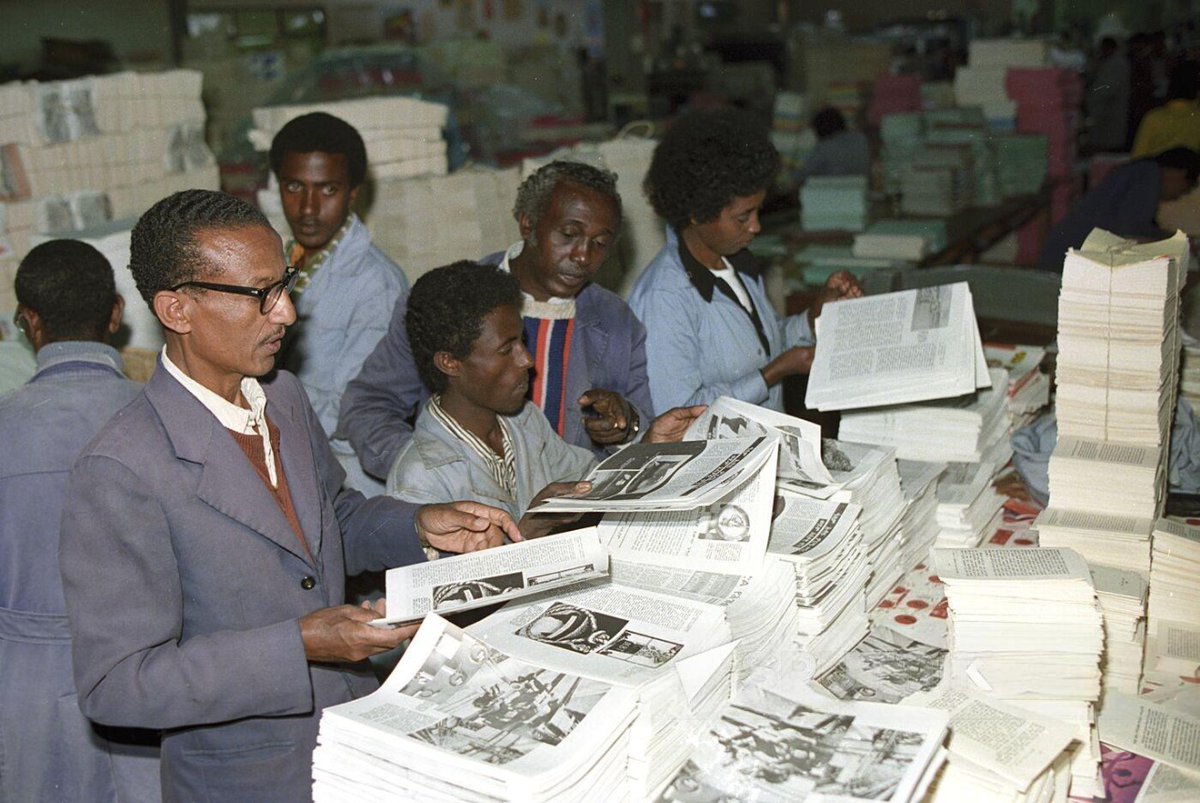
<point x="726" y="537"/>
<point x="1010" y="742"/>
<point x="770" y="748"/>
<point x="469" y="716"/>
<point x="800" y="440"/>
<point x="897" y="348"/>
<point x="885" y="667"/>
<point x="667" y="476"/>
<point x="1151" y="729"/>
<point x="621" y="635"/>
<point x="474" y="579"/>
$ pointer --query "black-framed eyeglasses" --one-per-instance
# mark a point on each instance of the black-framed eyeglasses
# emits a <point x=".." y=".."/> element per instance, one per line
<point x="267" y="296"/>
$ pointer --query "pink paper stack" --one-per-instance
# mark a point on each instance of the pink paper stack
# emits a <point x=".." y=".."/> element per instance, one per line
<point x="893" y="94"/>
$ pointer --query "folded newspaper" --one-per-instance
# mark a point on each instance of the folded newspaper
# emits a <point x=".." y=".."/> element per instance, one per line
<point x="667" y="476"/>
<point x="896" y="348"/>
<point x="475" y="579"/>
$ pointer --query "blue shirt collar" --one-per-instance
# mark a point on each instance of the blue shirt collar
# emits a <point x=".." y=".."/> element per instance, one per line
<point x="86" y="351"/>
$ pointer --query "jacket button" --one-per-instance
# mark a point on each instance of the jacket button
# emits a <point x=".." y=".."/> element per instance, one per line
<point x="308" y="583"/>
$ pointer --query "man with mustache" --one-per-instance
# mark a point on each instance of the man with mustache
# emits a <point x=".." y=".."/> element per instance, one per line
<point x="346" y="286"/>
<point x="587" y="347"/>
<point x="207" y="532"/>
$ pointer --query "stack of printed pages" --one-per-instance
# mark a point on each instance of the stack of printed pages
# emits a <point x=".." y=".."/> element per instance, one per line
<point x="1104" y="477"/>
<point x="919" y="525"/>
<point x="1028" y="386"/>
<point x="1118" y="338"/>
<point x="1122" y="598"/>
<point x="1103" y="539"/>
<point x="1025" y="627"/>
<point x="780" y="746"/>
<point x="897" y="348"/>
<point x="1173" y="608"/>
<point x="949" y="430"/>
<point x="969" y="509"/>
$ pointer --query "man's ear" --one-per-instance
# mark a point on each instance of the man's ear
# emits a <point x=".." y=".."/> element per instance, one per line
<point x="118" y="310"/>
<point x="35" y="328"/>
<point x="524" y="225"/>
<point x="447" y="363"/>
<point x="174" y="310"/>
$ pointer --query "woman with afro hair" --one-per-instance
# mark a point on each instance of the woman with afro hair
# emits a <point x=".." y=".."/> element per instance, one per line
<point x="710" y="330"/>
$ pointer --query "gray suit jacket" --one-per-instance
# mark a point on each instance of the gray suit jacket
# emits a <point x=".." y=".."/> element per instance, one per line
<point x="184" y="585"/>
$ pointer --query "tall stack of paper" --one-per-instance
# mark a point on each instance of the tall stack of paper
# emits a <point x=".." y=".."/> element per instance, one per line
<point x="1103" y="539"/>
<point x="1189" y="374"/>
<point x="1025" y="627"/>
<point x="1109" y="478"/>
<point x="79" y="154"/>
<point x="896" y="348"/>
<point x="950" y="431"/>
<point x="837" y="203"/>
<point x="919" y="525"/>
<point x="909" y="239"/>
<point x="1173" y="624"/>
<point x="1122" y="598"/>
<point x="998" y="753"/>
<point x="797" y="744"/>
<point x="901" y="135"/>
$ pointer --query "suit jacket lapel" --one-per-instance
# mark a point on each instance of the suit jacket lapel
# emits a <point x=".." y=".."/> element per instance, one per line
<point x="588" y="347"/>
<point x="299" y="465"/>
<point x="228" y="482"/>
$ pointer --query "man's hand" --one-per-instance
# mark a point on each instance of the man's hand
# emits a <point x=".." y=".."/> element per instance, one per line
<point x="671" y="425"/>
<point x="335" y="635"/>
<point x="536" y="525"/>
<point x="796" y="360"/>
<point x="464" y="526"/>
<point x="610" y="416"/>
<point x="838" y="286"/>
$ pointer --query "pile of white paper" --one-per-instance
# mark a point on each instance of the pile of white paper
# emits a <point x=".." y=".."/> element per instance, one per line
<point x="1025" y="627"/>
<point x="1028" y="386"/>
<point x="896" y="348"/>
<point x="1189" y="374"/>
<point x="969" y="509"/>
<point x="1118" y="338"/>
<point x="939" y="181"/>
<point x="919" y="525"/>
<point x="1173" y="608"/>
<point x="1105" y="477"/>
<point x="1122" y="598"/>
<point x="1103" y="539"/>
<point x="800" y="745"/>
<point x="998" y="753"/>
<point x="834" y="203"/>
<point x="955" y="430"/>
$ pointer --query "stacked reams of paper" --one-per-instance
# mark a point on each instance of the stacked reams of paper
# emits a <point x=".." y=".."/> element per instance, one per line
<point x="910" y="239"/>
<point x="1122" y="598"/>
<point x="1119" y="350"/>
<point x="969" y="508"/>
<point x="834" y="203"/>
<point x="1173" y="623"/>
<point x="1025" y="627"/>
<point x="418" y="215"/>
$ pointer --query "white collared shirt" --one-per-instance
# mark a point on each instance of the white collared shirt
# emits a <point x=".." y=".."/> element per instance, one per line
<point x="238" y="419"/>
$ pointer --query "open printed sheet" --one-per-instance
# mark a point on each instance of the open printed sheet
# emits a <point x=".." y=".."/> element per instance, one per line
<point x="466" y="717"/>
<point x="727" y="537"/>
<point x="667" y="476"/>
<point x="1004" y="740"/>
<point x="800" y="440"/>
<point x="897" y="348"/>
<point x="474" y="579"/>
<point x="771" y="748"/>
<point x="1162" y="732"/>
<point x="1010" y="564"/>
<point x="885" y="667"/>
<point x="620" y="634"/>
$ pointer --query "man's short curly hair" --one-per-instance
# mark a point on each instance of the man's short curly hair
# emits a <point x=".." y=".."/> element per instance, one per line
<point x="322" y="132"/>
<point x="533" y="196"/>
<point x="70" y="285"/>
<point x="704" y="161"/>
<point x="163" y="250"/>
<point x="446" y="308"/>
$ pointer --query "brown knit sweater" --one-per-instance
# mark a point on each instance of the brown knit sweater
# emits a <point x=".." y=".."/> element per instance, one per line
<point x="252" y="445"/>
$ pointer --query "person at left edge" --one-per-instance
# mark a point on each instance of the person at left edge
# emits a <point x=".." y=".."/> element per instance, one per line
<point x="68" y="308"/>
<point x="346" y="286"/>
<point x="207" y="533"/>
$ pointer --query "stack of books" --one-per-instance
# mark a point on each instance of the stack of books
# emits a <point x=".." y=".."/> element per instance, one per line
<point x="834" y="203"/>
<point x="1122" y="598"/>
<point x="901" y="135"/>
<point x="1025" y="628"/>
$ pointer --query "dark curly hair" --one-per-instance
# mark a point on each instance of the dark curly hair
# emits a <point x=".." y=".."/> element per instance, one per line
<point x="163" y="251"/>
<point x="704" y="161"/>
<point x="446" y="308"/>
<point x="533" y="196"/>
<point x="322" y="132"/>
<point x="70" y="285"/>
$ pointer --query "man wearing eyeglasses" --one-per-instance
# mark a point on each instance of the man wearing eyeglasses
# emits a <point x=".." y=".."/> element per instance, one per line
<point x="346" y="286"/>
<point x="207" y="533"/>
<point x="68" y="308"/>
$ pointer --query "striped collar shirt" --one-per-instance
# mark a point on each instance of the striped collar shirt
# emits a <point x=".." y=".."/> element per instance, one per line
<point x="502" y="469"/>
